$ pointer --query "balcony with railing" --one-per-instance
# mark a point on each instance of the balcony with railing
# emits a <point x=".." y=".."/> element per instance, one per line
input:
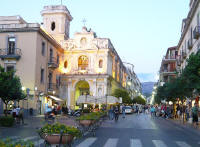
<point x="10" y="53"/>
<point x="184" y="54"/>
<point x="167" y="71"/>
<point x="196" y="32"/>
<point x="53" y="63"/>
<point x="167" y="59"/>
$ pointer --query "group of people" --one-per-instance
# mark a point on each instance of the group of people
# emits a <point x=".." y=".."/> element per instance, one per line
<point x="113" y="112"/>
<point x="178" y="112"/>
<point x="18" y="114"/>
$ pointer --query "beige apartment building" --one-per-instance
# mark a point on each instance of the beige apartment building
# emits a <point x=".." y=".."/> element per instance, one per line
<point x="168" y="66"/>
<point x="35" y="56"/>
<point x="190" y="35"/>
<point x="55" y="68"/>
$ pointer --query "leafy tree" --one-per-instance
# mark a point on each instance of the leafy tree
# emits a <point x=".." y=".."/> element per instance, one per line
<point x="139" y="100"/>
<point x="182" y="86"/>
<point x="123" y="94"/>
<point x="10" y="87"/>
<point x="191" y="73"/>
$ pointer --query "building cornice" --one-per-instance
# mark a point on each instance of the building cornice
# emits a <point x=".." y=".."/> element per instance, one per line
<point x="29" y="27"/>
<point x="188" y="22"/>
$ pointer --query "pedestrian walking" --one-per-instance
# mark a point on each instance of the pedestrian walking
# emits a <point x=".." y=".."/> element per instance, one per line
<point x="152" y="111"/>
<point x="178" y="111"/>
<point x="187" y="112"/>
<point x="21" y="115"/>
<point x="111" y="113"/>
<point x="14" y="113"/>
<point x="116" y="113"/>
<point x="146" y="109"/>
<point x="123" y="111"/>
<point x="17" y="115"/>
<point x="195" y="114"/>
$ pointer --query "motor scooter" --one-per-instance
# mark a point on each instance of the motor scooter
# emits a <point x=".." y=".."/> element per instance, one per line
<point x="75" y="113"/>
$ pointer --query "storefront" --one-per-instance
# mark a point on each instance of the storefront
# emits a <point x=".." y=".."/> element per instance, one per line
<point x="52" y="101"/>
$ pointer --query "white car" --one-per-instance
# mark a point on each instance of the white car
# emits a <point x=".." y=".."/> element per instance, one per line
<point x="128" y="109"/>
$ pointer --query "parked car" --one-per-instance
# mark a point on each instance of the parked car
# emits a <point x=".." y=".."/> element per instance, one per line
<point x="128" y="109"/>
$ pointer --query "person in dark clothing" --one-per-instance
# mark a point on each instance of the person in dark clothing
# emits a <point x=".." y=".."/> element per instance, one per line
<point x="116" y="112"/>
<point x="21" y="115"/>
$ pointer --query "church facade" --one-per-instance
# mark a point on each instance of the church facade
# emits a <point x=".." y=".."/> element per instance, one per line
<point x="91" y="65"/>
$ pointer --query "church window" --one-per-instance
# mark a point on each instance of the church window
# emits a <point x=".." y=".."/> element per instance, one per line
<point x="83" y="62"/>
<point x="101" y="63"/>
<point x="65" y="64"/>
<point x="53" y="26"/>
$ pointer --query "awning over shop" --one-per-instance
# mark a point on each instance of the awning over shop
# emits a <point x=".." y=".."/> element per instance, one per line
<point x="98" y="100"/>
<point x="55" y="98"/>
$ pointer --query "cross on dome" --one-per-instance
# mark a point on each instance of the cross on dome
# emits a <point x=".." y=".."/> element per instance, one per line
<point x="84" y="22"/>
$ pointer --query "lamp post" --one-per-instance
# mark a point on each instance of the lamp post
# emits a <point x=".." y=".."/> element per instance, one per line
<point x="106" y="101"/>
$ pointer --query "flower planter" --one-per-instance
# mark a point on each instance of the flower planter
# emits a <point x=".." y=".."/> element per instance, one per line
<point x="55" y="138"/>
<point x="86" y="123"/>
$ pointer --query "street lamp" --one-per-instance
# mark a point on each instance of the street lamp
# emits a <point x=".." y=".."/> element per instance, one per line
<point x="54" y="92"/>
<point x="129" y="83"/>
<point x="23" y="88"/>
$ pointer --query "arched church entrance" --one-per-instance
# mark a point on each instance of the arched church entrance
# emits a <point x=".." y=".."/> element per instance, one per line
<point x="81" y="88"/>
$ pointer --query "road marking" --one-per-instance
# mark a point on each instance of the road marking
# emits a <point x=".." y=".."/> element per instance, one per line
<point x="30" y="138"/>
<point x="112" y="142"/>
<point x="87" y="142"/>
<point x="159" y="143"/>
<point x="182" y="144"/>
<point x="38" y="143"/>
<point x="136" y="143"/>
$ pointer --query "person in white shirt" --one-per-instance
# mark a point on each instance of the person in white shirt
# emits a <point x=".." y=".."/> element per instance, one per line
<point x="14" y="112"/>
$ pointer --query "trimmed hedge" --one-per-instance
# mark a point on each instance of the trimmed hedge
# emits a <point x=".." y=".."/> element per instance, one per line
<point x="7" y="121"/>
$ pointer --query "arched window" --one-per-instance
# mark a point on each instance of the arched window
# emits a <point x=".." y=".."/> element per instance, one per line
<point x="53" y="26"/>
<point x="82" y="62"/>
<point x="101" y="63"/>
<point x="65" y="64"/>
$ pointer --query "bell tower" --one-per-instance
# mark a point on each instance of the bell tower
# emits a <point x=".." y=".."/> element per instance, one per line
<point x="56" y="21"/>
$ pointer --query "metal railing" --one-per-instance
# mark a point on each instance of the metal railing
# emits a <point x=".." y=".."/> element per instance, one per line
<point x="169" y="57"/>
<point x="52" y="62"/>
<point x="10" y="53"/>
<point x="196" y="32"/>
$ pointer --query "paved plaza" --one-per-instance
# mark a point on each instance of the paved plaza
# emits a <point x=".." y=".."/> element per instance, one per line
<point x="133" y="131"/>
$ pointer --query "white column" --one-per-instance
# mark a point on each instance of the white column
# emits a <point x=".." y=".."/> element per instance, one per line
<point x="69" y="94"/>
<point x="94" y="88"/>
<point x="105" y="87"/>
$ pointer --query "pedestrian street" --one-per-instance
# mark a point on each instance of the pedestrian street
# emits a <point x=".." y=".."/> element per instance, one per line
<point x="141" y="131"/>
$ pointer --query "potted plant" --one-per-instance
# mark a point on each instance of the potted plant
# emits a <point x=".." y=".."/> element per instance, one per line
<point x="58" y="133"/>
<point x="89" y="119"/>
